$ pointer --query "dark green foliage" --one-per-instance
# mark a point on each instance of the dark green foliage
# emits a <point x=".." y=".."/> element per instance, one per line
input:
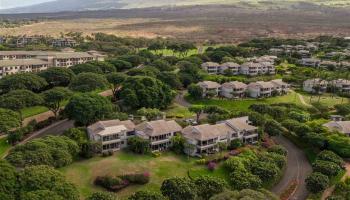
<point x="135" y="60"/>
<point x="278" y="149"/>
<point x="170" y="78"/>
<point x="57" y="76"/>
<point x="52" y="150"/>
<point x="330" y="156"/>
<point x="343" y="109"/>
<point x="257" y="119"/>
<point x="178" y="144"/>
<point x="21" y="81"/>
<point x="273" y="128"/>
<point x="209" y="186"/>
<point x="86" y="68"/>
<point x="195" y="91"/>
<point x="140" y="91"/>
<point x="54" y="98"/>
<point x="41" y="195"/>
<point x="246" y="194"/>
<point x="116" y="79"/>
<point x="265" y="170"/>
<point x="325" y="167"/>
<point x="38" y="178"/>
<point x="19" y="99"/>
<point x="8" y="120"/>
<point x="144" y="71"/>
<point x="162" y="65"/>
<point x="87" y="82"/>
<point x="243" y="179"/>
<point x="179" y="189"/>
<point x="189" y="73"/>
<point x="105" y="67"/>
<point x="150" y="113"/>
<point x="138" y="145"/>
<point x="88" y="108"/>
<point x="234" y="144"/>
<point x="121" y="65"/>
<point x="8" y="180"/>
<point x="101" y="196"/>
<point x="317" y="182"/>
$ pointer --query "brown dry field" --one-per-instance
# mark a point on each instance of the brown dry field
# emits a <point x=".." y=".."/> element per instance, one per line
<point x="199" y="23"/>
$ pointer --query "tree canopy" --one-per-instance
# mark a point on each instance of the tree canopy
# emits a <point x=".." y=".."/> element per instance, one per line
<point x="8" y="120"/>
<point x="53" y="98"/>
<point x="88" y="108"/>
<point x="87" y="82"/>
<point x="57" y="76"/>
<point x="28" y="81"/>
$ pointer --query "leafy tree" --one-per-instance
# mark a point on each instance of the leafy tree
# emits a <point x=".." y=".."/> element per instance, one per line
<point x="150" y="113"/>
<point x="51" y="150"/>
<point x="138" y="145"/>
<point x="121" y="65"/>
<point x="189" y="73"/>
<point x="242" y="179"/>
<point x="245" y="194"/>
<point x="162" y="65"/>
<point x="198" y="109"/>
<point x="8" y="180"/>
<point x="217" y="56"/>
<point x="105" y="67"/>
<point x="8" y="120"/>
<point x="330" y="156"/>
<point x="195" y="91"/>
<point x="179" y="189"/>
<point x="144" y="71"/>
<point x="343" y="109"/>
<point x="140" y="91"/>
<point x="18" y="99"/>
<point x="135" y="60"/>
<point x="265" y="170"/>
<point x="87" y="82"/>
<point x="86" y="68"/>
<point x="116" y="79"/>
<point x="209" y="186"/>
<point x="41" y="195"/>
<point x="28" y="81"/>
<point x="170" y="78"/>
<point x="178" y="144"/>
<point x="88" y="108"/>
<point x="101" y="196"/>
<point x="54" y="98"/>
<point x="234" y="144"/>
<point x="146" y="195"/>
<point x="77" y="134"/>
<point x="325" y="167"/>
<point x="57" y="76"/>
<point x="273" y="127"/>
<point x="316" y="182"/>
<point x="38" y="178"/>
<point x="278" y="149"/>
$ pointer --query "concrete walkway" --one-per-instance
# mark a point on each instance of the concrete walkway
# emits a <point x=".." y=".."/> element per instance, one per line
<point x="297" y="169"/>
<point x="180" y="99"/>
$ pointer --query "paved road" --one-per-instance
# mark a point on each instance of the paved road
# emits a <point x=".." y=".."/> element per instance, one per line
<point x="298" y="168"/>
<point x="180" y="99"/>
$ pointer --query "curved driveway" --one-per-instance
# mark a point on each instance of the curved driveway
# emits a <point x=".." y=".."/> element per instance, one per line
<point x="297" y="169"/>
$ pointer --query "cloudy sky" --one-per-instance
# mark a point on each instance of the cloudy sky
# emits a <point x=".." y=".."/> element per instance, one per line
<point x="18" y="3"/>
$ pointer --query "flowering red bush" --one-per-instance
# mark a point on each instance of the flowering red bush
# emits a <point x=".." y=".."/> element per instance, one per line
<point x="212" y="166"/>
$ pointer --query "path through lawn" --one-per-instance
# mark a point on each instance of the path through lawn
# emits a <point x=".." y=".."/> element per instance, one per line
<point x="83" y="173"/>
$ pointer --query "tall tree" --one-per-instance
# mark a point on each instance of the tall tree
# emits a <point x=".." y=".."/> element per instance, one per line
<point x="58" y="76"/>
<point x="198" y="109"/>
<point x="116" y="79"/>
<point x="88" y="108"/>
<point x="54" y="98"/>
<point x="8" y="120"/>
<point x="27" y="81"/>
<point x="87" y="82"/>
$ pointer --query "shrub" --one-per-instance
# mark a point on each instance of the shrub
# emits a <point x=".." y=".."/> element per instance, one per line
<point x="330" y="156"/>
<point x="209" y="186"/>
<point x="326" y="167"/>
<point x="278" y="149"/>
<point x="242" y="179"/>
<point x="179" y="189"/>
<point x="146" y="195"/>
<point x="108" y="182"/>
<point x="101" y="196"/>
<point x="141" y="178"/>
<point x="212" y="166"/>
<point x="234" y="144"/>
<point x="265" y="170"/>
<point x="316" y="182"/>
<point x="201" y="161"/>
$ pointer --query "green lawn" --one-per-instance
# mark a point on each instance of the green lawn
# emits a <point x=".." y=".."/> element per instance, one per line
<point x="243" y="104"/>
<point x="326" y="99"/>
<point x="35" y="110"/>
<point x="83" y="173"/>
<point x="178" y="111"/>
<point x="4" y="146"/>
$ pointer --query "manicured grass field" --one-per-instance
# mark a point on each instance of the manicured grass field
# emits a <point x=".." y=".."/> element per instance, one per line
<point x="35" y="110"/>
<point x="83" y="173"/>
<point x="326" y="99"/>
<point x="4" y="146"/>
<point x="243" y="105"/>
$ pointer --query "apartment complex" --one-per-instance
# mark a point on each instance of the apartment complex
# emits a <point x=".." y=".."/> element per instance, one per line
<point x="315" y="85"/>
<point x="12" y="62"/>
<point x="204" y="139"/>
<point x="159" y="133"/>
<point x="112" y="134"/>
<point x="236" y="89"/>
<point x="256" y="66"/>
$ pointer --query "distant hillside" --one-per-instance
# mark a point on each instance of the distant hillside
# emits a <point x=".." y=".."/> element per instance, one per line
<point x="86" y="5"/>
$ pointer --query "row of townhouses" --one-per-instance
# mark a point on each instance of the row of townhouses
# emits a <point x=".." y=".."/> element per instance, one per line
<point x="236" y="89"/>
<point x="203" y="139"/>
<point x="12" y="62"/>
<point x="319" y="85"/>
<point x="255" y="66"/>
<point x="315" y="62"/>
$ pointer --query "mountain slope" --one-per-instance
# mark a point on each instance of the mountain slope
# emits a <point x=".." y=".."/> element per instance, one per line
<point x="85" y="5"/>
